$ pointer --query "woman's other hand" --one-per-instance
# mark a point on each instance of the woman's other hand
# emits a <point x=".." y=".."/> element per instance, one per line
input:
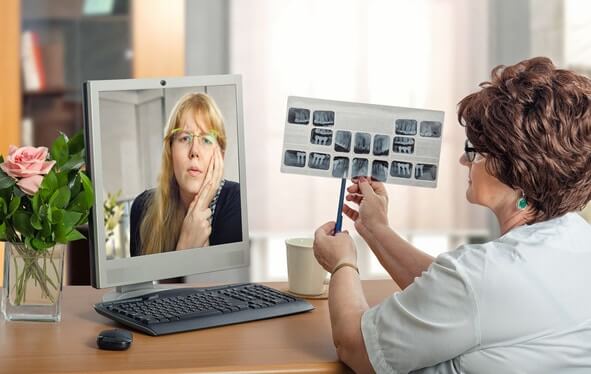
<point x="332" y="250"/>
<point x="197" y="223"/>
<point x="213" y="176"/>
<point x="372" y="199"/>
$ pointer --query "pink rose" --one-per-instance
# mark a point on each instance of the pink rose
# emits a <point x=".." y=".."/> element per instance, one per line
<point x="28" y="164"/>
<point x="30" y="185"/>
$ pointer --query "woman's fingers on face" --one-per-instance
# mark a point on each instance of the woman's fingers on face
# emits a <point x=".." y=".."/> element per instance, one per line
<point x="192" y="205"/>
<point x="219" y="165"/>
<point x="203" y="200"/>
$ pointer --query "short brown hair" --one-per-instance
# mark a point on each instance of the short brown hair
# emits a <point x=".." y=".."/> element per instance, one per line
<point x="532" y="122"/>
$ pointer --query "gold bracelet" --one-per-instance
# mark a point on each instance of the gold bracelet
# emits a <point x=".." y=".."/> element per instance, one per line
<point x="342" y="265"/>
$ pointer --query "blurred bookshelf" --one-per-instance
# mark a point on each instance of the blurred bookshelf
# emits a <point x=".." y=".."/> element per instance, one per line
<point x="75" y="41"/>
<point x="64" y="43"/>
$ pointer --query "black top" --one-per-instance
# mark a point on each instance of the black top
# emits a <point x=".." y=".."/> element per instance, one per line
<point x="226" y="224"/>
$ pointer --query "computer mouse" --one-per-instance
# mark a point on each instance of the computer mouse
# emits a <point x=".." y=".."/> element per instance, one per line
<point x="114" y="340"/>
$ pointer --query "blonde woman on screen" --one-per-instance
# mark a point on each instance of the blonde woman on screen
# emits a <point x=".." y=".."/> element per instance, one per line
<point x="192" y="206"/>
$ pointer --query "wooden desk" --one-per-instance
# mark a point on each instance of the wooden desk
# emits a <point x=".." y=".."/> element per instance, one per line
<point x="300" y="343"/>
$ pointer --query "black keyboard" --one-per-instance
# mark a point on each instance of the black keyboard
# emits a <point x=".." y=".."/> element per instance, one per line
<point x="186" y="309"/>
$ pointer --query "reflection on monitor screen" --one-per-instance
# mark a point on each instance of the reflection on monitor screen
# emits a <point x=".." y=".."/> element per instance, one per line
<point x="167" y="161"/>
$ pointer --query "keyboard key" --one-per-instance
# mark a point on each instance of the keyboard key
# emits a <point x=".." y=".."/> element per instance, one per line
<point x="205" y="313"/>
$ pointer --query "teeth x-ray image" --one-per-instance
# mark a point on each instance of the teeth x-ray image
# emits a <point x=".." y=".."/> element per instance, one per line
<point x="321" y="137"/>
<point x="401" y="169"/>
<point x="379" y="170"/>
<point x="381" y="145"/>
<point x="319" y="161"/>
<point x="406" y="127"/>
<point x="403" y="144"/>
<point x="348" y="140"/>
<point x="340" y="167"/>
<point x="295" y="158"/>
<point x="342" y="141"/>
<point x="298" y="116"/>
<point x="324" y="118"/>
<point x="426" y="172"/>
<point x="359" y="167"/>
<point x="431" y="129"/>
<point x="362" y="142"/>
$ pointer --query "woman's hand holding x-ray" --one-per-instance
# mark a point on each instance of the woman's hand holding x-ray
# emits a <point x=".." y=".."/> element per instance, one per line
<point x="372" y="199"/>
<point x="197" y="224"/>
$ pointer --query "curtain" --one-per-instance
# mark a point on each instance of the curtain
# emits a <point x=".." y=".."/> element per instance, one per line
<point x="425" y="54"/>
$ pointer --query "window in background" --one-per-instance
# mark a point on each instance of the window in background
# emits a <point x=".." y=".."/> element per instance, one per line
<point x="426" y="54"/>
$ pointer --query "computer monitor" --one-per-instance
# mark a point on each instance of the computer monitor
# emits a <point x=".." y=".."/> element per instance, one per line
<point x="166" y="160"/>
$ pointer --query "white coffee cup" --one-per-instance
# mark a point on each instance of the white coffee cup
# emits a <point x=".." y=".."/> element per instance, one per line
<point x="304" y="273"/>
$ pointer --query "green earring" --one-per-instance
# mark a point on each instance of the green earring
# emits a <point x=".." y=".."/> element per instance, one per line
<point x="522" y="203"/>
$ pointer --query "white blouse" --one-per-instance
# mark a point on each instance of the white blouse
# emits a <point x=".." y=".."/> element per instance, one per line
<point x="518" y="304"/>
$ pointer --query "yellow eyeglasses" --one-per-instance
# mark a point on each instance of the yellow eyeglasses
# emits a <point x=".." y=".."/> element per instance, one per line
<point x="186" y="138"/>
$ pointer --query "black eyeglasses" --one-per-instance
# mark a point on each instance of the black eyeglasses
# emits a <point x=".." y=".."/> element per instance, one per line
<point x="470" y="151"/>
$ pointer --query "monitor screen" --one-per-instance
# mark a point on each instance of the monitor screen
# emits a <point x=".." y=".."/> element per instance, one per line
<point x="166" y="159"/>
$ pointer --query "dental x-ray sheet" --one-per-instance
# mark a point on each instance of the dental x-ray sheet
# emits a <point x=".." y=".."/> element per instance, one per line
<point x="345" y="140"/>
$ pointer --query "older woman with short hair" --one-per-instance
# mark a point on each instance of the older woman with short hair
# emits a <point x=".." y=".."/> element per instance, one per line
<point x="515" y="304"/>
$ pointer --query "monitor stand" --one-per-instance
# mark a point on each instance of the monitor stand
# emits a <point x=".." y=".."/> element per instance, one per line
<point x="133" y="290"/>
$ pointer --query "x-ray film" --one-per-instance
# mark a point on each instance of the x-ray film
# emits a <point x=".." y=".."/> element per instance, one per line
<point x="345" y="140"/>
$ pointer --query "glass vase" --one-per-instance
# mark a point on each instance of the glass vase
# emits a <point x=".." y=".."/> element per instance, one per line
<point x="32" y="283"/>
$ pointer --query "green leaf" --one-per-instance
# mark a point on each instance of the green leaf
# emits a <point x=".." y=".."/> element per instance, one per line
<point x="49" y="215"/>
<point x="3" y="237"/>
<point x="75" y="185"/>
<point x="59" y="150"/>
<point x="62" y="178"/>
<point x="76" y="143"/>
<point x="1" y="159"/>
<point x="58" y="215"/>
<point x="14" y="205"/>
<point x="45" y="229"/>
<point x="74" y="163"/>
<point x="84" y="200"/>
<point x="39" y="244"/>
<point x="43" y="212"/>
<point x="87" y="186"/>
<point x="60" y="232"/>
<point x="3" y="208"/>
<point x="36" y="222"/>
<point x="22" y="223"/>
<point x="60" y="198"/>
<point x="5" y="180"/>
<point x="74" y="235"/>
<point x="83" y="219"/>
<point x="17" y="191"/>
<point x="48" y="186"/>
<point x="78" y="204"/>
<point x="35" y="203"/>
<point x="71" y="218"/>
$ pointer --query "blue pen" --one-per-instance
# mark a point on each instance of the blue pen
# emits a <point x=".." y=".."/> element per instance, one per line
<point x="339" y="223"/>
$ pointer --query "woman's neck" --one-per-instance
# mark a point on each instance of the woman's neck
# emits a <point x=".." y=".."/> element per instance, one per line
<point x="509" y="217"/>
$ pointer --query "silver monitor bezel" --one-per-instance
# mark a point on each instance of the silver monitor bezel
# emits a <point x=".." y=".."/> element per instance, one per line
<point x="141" y="269"/>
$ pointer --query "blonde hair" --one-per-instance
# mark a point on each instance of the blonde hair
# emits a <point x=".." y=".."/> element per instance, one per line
<point x="164" y="215"/>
